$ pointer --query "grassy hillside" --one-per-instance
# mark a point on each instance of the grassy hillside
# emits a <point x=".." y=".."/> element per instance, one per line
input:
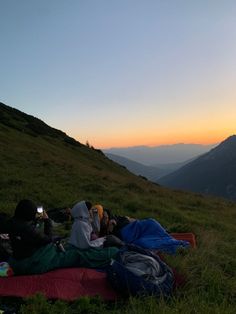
<point x="55" y="170"/>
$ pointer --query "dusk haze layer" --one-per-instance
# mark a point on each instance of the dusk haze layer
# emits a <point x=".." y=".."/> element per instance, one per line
<point x="122" y="73"/>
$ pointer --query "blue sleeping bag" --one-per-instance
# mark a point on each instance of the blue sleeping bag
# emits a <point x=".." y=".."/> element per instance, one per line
<point x="149" y="234"/>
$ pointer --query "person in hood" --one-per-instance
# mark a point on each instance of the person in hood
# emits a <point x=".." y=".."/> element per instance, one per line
<point x="84" y="227"/>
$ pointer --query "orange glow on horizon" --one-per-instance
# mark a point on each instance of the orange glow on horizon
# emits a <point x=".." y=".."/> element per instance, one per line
<point x="206" y="128"/>
<point x="205" y="133"/>
<point x="167" y="140"/>
<point x="130" y="143"/>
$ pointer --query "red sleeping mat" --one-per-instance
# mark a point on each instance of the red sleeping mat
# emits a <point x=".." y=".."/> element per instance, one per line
<point x="190" y="237"/>
<point x="65" y="284"/>
<point x="70" y="283"/>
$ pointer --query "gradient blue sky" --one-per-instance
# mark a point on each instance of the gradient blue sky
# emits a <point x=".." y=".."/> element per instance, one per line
<point x="122" y="72"/>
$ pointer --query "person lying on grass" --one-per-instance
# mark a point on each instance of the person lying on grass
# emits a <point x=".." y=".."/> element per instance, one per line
<point x="146" y="233"/>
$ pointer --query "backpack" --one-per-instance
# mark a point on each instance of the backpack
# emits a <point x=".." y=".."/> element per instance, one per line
<point x="138" y="272"/>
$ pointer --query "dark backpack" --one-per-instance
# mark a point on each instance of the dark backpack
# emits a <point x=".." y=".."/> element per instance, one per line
<point x="138" y="272"/>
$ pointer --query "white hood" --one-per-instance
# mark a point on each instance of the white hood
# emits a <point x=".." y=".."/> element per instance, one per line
<point x="80" y="211"/>
<point x="82" y="229"/>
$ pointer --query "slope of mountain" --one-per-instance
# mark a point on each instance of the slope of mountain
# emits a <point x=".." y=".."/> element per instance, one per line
<point x="45" y="164"/>
<point x="152" y="173"/>
<point x="212" y="173"/>
<point x="170" y="167"/>
<point x="22" y="122"/>
<point x="165" y="154"/>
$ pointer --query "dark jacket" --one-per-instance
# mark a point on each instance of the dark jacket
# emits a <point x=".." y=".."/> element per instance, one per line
<point x="27" y="237"/>
<point x="120" y="222"/>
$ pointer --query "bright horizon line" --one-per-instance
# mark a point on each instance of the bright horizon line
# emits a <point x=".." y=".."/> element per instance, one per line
<point x="212" y="143"/>
<point x="160" y="145"/>
<point x="122" y="141"/>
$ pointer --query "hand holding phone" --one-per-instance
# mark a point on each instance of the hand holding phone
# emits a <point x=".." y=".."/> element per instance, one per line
<point x="42" y="213"/>
<point x="45" y="215"/>
<point x="40" y="210"/>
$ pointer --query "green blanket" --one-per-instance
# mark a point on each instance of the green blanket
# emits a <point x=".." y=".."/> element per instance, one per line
<point x="48" y="258"/>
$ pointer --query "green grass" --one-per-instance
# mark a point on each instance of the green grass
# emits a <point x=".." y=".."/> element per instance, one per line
<point x="56" y="172"/>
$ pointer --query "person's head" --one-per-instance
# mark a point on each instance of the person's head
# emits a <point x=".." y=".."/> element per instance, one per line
<point x="25" y="210"/>
<point x="98" y="209"/>
<point x="81" y="211"/>
<point x="96" y="214"/>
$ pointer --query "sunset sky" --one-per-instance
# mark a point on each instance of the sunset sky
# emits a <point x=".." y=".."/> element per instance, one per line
<point x="122" y="72"/>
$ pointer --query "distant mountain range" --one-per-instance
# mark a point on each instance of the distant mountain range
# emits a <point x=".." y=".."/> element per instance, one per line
<point x="152" y="173"/>
<point x="212" y="173"/>
<point x="165" y="154"/>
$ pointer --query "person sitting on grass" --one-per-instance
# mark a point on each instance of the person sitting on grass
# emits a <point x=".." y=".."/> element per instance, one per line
<point x="29" y="230"/>
<point x="34" y="251"/>
<point x="86" y="228"/>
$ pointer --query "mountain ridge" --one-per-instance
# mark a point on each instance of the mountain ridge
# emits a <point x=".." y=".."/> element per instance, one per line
<point x="212" y="173"/>
<point x="151" y="156"/>
<point x="152" y="173"/>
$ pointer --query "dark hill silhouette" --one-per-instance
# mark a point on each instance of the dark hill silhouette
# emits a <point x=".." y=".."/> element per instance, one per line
<point x="213" y="173"/>
<point x="31" y="125"/>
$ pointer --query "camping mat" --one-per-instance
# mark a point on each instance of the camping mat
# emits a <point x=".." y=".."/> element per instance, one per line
<point x="65" y="284"/>
<point x="187" y="236"/>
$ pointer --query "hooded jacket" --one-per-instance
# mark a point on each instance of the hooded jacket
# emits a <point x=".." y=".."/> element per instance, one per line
<point x="82" y="229"/>
<point x="26" y="238"/>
